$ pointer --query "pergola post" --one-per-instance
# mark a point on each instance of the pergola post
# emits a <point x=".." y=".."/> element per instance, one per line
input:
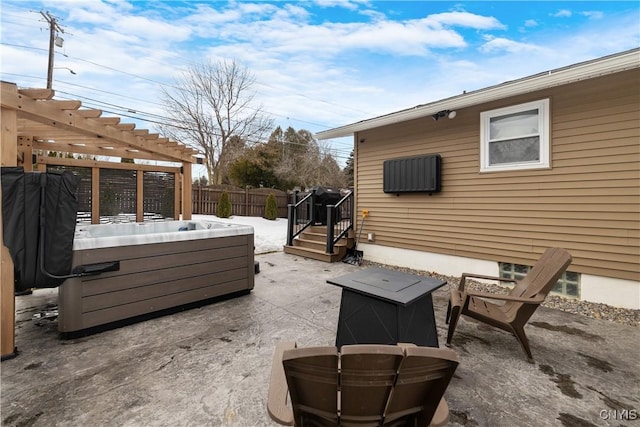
<point x="187" y="186"/>
<point x="25" y="153"/>
<point x="8" y="157"/>
<point x="95" y="195"/>
<point x="139" y="195"/>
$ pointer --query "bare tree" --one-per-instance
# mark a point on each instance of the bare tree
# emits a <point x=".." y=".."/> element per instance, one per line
<point x="212" y="109"/>
<point x="300" y="160"/>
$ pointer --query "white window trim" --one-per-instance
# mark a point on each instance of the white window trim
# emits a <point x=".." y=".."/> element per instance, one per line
<point x="543" y="125"/>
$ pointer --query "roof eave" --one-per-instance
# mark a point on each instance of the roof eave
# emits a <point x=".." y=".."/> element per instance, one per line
<point x="581" y="71"/>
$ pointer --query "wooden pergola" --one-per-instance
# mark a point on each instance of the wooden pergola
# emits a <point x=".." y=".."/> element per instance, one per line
<point x="33" y="123"/>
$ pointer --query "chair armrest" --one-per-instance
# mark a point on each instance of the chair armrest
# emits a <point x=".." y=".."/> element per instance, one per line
<point x="441" y="416"/>
<point x="464" y="277"/>
<point x="278" y="391"/>
<point x="503" y="297"/>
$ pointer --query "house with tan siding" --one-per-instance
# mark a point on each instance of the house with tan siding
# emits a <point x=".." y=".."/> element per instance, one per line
<point x="548" y="160"/>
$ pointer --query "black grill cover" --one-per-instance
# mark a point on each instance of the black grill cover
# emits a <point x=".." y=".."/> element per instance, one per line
<point x="24" y="214"/>
<point x="325" y="196"/>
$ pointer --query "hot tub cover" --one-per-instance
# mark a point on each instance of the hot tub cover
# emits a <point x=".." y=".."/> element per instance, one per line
<point x="25" y="212"/>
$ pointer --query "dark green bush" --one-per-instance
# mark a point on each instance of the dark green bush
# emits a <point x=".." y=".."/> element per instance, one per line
<point x="224" y="206"/>
<point x="271" y="209"/>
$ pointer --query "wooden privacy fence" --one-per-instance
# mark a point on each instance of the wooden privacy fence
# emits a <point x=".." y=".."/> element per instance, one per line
<point x="244" y="201"/>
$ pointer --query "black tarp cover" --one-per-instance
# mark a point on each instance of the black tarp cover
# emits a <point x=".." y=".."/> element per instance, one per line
<point x="22" y="220"/>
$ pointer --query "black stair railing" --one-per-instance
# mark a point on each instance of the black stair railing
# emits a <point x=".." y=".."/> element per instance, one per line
<point x="303" y="214"/>
<point x="300" y="215"/>
<point x="339" y="220"/>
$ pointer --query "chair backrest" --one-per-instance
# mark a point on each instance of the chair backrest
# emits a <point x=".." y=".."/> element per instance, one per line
<point x="367" y="376"/>
<point x="312" y="379"/>
<point x="538" y="282"/>
<point x="423" y="377"/>
<point x="368" y="385"/>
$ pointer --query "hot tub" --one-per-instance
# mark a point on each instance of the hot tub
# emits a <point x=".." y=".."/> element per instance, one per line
<point x="162" y="265"/>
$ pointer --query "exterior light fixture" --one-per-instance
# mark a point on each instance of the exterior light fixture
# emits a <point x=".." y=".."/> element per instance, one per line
<point x="448" y="113"/>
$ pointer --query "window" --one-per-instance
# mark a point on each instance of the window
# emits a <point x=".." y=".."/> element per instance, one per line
<point x="516" y="137"/>
<point x="568" y="284"/>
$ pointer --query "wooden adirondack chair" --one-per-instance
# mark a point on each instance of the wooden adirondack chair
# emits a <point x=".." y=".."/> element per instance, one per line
<point x="363" y="385"/>
<point x="518" y="305"/>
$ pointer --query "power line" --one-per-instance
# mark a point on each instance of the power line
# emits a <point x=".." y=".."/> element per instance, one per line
<point x="144" y="116"/>
<point x="23" y="46"/>
<point x="54" y="28"/>
<point x="53" y="21"/>
<point x="165" y="121"/>
<point x="14" y="15"/>
<point x="164" y="84"/>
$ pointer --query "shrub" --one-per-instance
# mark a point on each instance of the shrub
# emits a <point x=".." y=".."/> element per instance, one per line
<point x="271" y="209"/>
<point x="224" y="205"/>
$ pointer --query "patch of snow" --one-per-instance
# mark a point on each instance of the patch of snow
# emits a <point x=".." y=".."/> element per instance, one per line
<point x="269" y="236"/>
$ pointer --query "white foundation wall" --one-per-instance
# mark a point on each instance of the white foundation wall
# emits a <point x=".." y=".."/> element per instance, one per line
<point x="444" y="264"/>
<point x="610" y="291"/>
<point x="605" y="290"/>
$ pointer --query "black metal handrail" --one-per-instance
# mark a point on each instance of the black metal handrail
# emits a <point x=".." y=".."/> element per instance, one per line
<point x="339" y="220"/>
<point x="300" y="215"/>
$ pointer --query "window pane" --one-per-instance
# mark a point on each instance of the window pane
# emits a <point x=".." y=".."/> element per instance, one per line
<point x="558" y="288"/>
<point x="514" y="151"/>
<point x="572" y="289"/>
<point x="514" y="125"/>
<point x="523" y="269"/>
<point x="571" y="276"/>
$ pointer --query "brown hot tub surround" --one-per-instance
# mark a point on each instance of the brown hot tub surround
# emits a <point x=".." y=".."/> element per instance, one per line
<point x="161" y="266"/>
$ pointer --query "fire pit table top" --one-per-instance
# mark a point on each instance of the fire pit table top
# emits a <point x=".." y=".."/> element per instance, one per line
<point x="390" y="285"/>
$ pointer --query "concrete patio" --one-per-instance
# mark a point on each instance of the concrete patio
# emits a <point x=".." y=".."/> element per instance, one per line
<point x="209" y="366"/>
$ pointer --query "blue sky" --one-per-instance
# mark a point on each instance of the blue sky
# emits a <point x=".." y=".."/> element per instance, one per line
<point x="318" y="64"/>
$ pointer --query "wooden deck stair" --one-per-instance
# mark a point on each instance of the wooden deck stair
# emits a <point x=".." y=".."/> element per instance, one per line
<point x="312" y="243"/>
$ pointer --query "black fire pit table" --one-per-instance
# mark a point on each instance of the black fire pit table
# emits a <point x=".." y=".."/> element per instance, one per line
<point x="381" y="306"/>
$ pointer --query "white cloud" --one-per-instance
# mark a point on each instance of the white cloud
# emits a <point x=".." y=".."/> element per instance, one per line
<point x="296" y="12"/>
<point x="345" y="4"/>
<point x="564" y="13"/>
<point x="500" y="44"/>
<point x="530" y="23"/>
<point x="373" y="15"/>
<point x="593" y="14"/>
<point x="466" y="19"/>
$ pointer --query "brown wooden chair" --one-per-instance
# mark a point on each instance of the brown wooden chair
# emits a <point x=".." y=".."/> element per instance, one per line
<point x="518" y="305"/>
<point x="363" y="385"/>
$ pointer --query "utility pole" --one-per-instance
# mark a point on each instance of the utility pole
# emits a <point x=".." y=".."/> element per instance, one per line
<point x="53" y="27"/>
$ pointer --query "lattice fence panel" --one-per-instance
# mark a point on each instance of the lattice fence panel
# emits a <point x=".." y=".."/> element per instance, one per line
<point x="159" y="195"/>
<point x="117" y="192"/>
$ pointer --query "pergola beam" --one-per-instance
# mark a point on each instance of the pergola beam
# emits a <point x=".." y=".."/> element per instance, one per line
<point x="66" y="104"/>
<point x="87" y="163"/>
<point x="46" y="112"/>
<point x="38" y="93"/>
<point x="90" y="113"/>
<point x="92" y="148"/>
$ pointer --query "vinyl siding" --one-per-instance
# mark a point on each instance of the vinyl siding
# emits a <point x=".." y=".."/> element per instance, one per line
<point x="587" y="202"/>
